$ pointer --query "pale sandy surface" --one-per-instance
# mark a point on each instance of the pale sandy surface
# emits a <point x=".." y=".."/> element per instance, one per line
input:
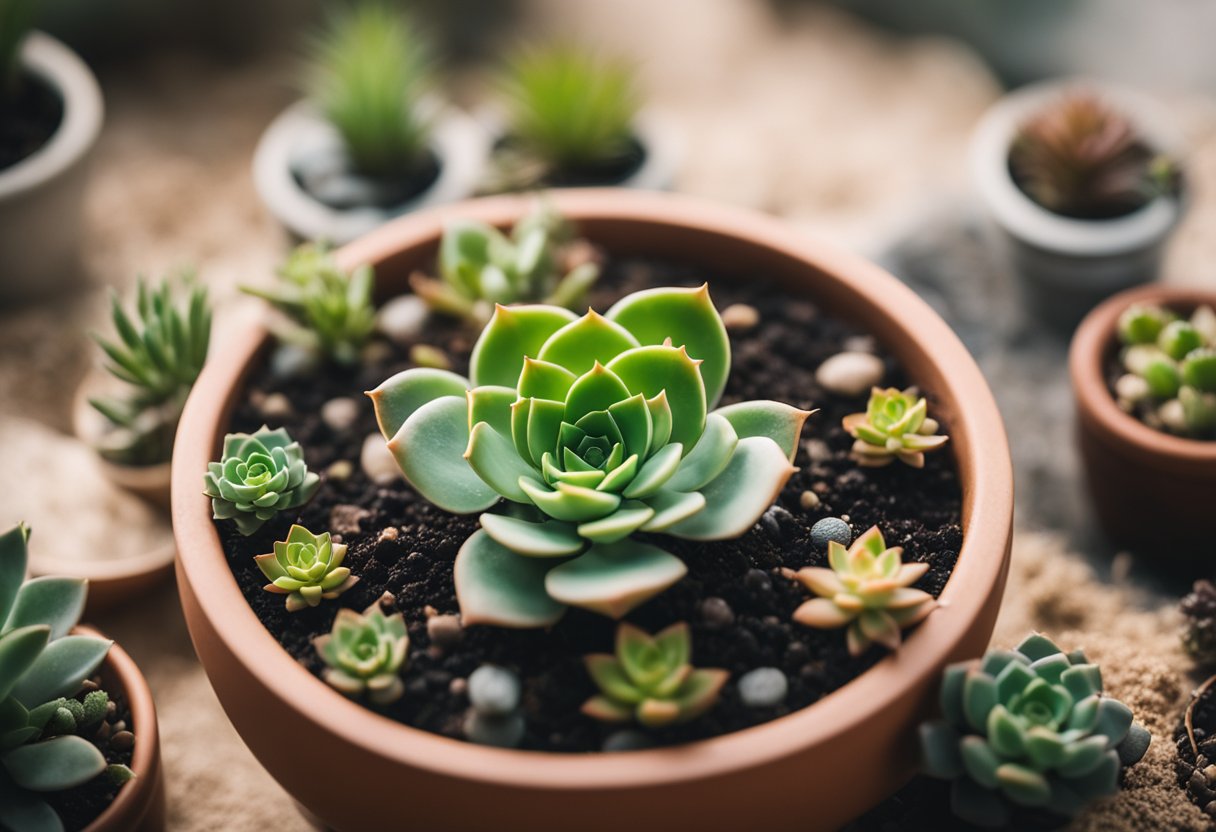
<point x="848" y="134"/>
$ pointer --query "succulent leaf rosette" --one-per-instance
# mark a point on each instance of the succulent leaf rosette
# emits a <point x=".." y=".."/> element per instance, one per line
<point x="307" y="568"/>
<point x="895" y="426"/>
<point x="592" y="428"/>
<point x="258" y="475"/>
<point x="1029" y="727"/>
<point x="365" y="653"/>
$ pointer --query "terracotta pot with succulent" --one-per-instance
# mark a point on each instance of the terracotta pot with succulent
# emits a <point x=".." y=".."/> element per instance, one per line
<point x="78" y="736"/>
<point x="569" y="117"/>
<point x="371" y="140"/>
<point x="1143" y="368"/>
<point x="50" y="115"/>
<point x="602" y="542"/>
<point x="1083" y="187"/>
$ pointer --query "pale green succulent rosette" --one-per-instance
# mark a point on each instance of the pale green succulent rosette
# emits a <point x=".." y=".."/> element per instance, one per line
<point x="307" y="568"/>
<point x="258" y="476"/>
<point x="365" y="653"/>
<point x="592" y="428"/>
<point x="1029" y="727"/>
<point x="896" y="425"/>
<point x="40" y="663"/>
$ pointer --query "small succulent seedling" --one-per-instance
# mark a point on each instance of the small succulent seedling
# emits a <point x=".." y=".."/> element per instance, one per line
<point x="895" y="426"/>
<point x="258" y="476"/>
<point x="306" y="567"/>
<point x="365" y="653"/>
<point x="72" y="716"/>
<point x="1171" y="368"/>
<point x="651" y="680"/>
<point x="369" y="68"/>
<point x="1081" y="158"/>
<point x="479" y="266"/>
<point x="1030" y="727"/>
<point x="159" y="353"/>
<point x="329" y="312"/>
<point x="567" y="110"/>
<point x="40" y="665"/>
<point x="867" y="589"/>
<point x="591" y="428"/>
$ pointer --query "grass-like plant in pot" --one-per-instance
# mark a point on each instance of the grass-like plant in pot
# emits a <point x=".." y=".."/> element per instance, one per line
<point x="572" y="116"/>
<point x="50" y="115"/>
<point x="1082" y="183"/>
<point x="371" y="140"/>
<point x="577" y="483"/>
<point x="58" y="732"/>
<point x="1141" y="368"/>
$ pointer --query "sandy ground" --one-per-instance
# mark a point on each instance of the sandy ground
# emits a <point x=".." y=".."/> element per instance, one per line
<point x="859" y="132"/>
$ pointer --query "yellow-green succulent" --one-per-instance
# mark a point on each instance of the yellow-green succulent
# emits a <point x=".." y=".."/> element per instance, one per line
<point x="306" y="568"/>
<point x="895" y="426"/>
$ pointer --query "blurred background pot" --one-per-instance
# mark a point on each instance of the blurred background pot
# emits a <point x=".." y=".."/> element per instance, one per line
<point x="300" y="139"/>
<point x="140" y="804"/>
<point x="1064" y="265"/>
<point x="41" y="195"/>
<point x="1152" y="491"/>
<point x="811" y="770"/>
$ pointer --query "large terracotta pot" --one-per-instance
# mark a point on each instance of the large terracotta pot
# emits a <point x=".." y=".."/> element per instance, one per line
<point x="813" y="769"/>
<point x="140" y="805"/>
<point x="1152" y="491"/>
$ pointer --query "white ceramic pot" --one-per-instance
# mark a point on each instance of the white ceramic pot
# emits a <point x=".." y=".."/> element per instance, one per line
<point x="1066" y="265"/>
<point x="458" y="142"/>
<point x="41" y="196"/>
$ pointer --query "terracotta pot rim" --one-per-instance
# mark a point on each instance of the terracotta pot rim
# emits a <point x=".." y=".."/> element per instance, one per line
<point x="1094" y="340"/>
<point x="136" y="798"/>
<point x="983" y="560"/>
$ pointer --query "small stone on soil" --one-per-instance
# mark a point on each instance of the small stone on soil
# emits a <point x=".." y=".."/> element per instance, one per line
<point x="763" y="687"/>
<point x="291" y="361"/>
<point x="340" y="470"/>
<point x="402" y="318"/>
<point x="445" y="631"/>
<point x="627" y="740"/>
<point x="499" y="731"/>
<point x="345" y="518"/>
<point x="740" y="317"/>
<point x="340" y="414"/>
<point x="377" y="461"/>
<point x="829" y="529"/>
<point x="276" y="406"/>
<point x="424" y="355"/>
<point x="758" y="579"/>
<point x="122" y="741"/>
<point x="808" y="500"/>
<point x="717" y="614"/>
<point x="493" y="690"/>
<point x="850" y="373"/>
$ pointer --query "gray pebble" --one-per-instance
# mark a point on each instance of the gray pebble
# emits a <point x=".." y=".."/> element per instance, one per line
<point x="627" y="740"/>
<point x="763" y="687"/>
<point x="773" y="519"/>
<point x="402" y="318"/>
<point x="292" y="361"/>
<point x="717" y="614"/>
<point x="340" y="414"/>
<point x="122" y="741"/>
<point x="276" y="406"/>
<point x="377" y="461"/>
<point x="498" y="731"/>
<point x="444" y="631"/>
<point x="493" y="690"/>
<point x="758" y="579"/>
<point x="1134" y="745"/>
<point x="831" y="528"/>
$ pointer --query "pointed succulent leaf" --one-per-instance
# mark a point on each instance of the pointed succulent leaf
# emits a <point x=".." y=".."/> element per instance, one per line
<point x="396" y="399"/>
<point x="610" y="677"/>
<point x="660" y="420"/>
<point x="632" y="418"/>
<point x="430" y="449"/>
<point x="671" y="507"/>
<point x="545" y="380"/>
<point x="491" y="405"/>
<point x="1082" y="680"/>
<point x="734" y="501"/>
<point x="585" y="341"/>
<point x="656" y="472"/>
<point x="19" y="649"/>
<point x="571" y="503"/>
<point x="1023" y="785"/>
<point x="779" y="422"/>
<point x="654" y="369"/>
<point x="546" y="539"/>
<point x="709" y="457"/>
<point x="699" y="692"/>
<point x="613" y="578"/>
<point x="60" y="669"/>
<point x="1114" y="720"/>
<point x="13" y="558"/>
<point x="605" y="709"/>
<point x="513" y="333"/>
<point x="54" y="765"/>
<point x="689" y="319"/>
<point x="543" y="426"/>
<point x="1037" y="646"/>
<point x="496" y="586"/>
<point x="980" y="761"/>
<point x="595" y="390"/>
<point x="54" y="601"/>
<point x="630" y="517"/>
<point x="979" y="698"/>
<point x="492" y="456"/>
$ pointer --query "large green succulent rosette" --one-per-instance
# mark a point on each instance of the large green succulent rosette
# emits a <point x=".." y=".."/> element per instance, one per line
<point x="592" y="428"/>
<point x="1029" y="727"/>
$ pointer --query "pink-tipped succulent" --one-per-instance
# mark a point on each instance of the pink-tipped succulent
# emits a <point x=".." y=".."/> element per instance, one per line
<point x="895" y="425"/>
<point x="867" y="589"/>
<point x="651" y="680"/>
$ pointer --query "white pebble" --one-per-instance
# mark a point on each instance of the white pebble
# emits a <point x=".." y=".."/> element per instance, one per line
<point x="739" y="317"/>
<point x="1173" y="415"/>
<point x="275" y="406"/>
<point x="377" y="461"/>
<point x="763" y="687"/>
<point x="493" y="690"/>
<point x="850" y="373"/>
<point x="402" y="318"/>
<point x="340" y="414"/>
<point x="496" y="731"/>
<point x="1130" y="388"/>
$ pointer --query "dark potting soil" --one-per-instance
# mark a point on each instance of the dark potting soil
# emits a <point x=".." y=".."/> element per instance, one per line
<point x="1193" y="770"/>
<point x="79" y="807"/>
<point x="28" y="119"/>
<point x="342" y="188"/>
<point x="400" y="543"/>
<point x="611" y="171"/>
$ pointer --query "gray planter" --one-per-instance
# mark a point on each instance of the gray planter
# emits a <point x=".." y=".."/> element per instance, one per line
<point x="41" y="196"/>
<point x="1066" y="266"/>
<point x="458" y="142"/>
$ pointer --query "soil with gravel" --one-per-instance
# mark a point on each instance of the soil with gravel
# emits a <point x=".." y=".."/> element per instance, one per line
<point x="734" y="596"/>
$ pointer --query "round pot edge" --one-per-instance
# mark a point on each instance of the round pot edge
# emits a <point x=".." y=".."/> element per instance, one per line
<point x="144" y="795"/>
<point x="1096" y="407"/>
<point x="457" y="139"/>
<point x="1034" y="225"/>
<point x="83" y="113"/>
<point x="982" y="564"/>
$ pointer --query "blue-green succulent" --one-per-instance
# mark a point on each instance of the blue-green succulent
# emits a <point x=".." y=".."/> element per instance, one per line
<point x="258" y="476"/>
